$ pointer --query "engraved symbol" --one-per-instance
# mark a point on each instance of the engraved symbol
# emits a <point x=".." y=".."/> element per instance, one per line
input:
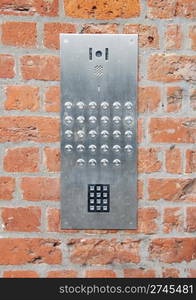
<point x="80" y="148"/>
<point x="116" y="162"/>
<point x="104" y="162"/>
<point x="68" y="148"/>
<point x="92" y="148"/>
<point x="92" y="162"/>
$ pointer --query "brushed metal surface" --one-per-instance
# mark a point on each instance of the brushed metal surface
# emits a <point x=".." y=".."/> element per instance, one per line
<point x="98" y="128"/>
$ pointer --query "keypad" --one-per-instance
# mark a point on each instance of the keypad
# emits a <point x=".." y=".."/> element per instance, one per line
<point x="99" y="134"/>
<point x="98" y="198"/>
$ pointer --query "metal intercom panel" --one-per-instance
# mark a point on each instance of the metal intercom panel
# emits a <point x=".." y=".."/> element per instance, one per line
<point x="98" y="131"/>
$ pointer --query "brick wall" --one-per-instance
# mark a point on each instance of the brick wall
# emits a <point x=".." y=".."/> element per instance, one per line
<point x="32" y="243"/>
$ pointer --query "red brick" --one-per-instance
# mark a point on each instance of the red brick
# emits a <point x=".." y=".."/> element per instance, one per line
<point x="173" y="250"/>
<point x="100" y="274"/>
<point x="40" y="67"/>
<point x="22" y="160"/>
<point x="173" y="37"/>
<point x="193" y="98"/>
<point x="140" y="131"/>
<point x="99" y="28"/>
<point x="20" y="274"/>
<point x="140" y="189"/>
<point x="7" y="65"/>
<point x="29" y="7"/>
<point x="21" y="97"/>
<point x="148" y="35"/>
<point x="171" y="273"/>
<point x="172" y="130"/>
<point x="148" y="160"/>
<point x="172" y="189"/>
<point x="52" y="32"/>
<point x="52" y="99"/>
<point x="139" y="273"/>
<point x="173" y="161"/>
<point x="54" y="222"/>
<point x="21" y="219"/>
<point x="149" y="98"/>
<point x="190" y="161"/>
<point x="21" y="34"/>
<point x="52" y="159"/>
<point x="62" y="274"/>
<point x="174" y="98"/>
<point x="102" y="252"/>
<point x="192" y="273"/>
<point x="191" y="219"/>
<point x="167" y="9"/>
<point x="40" y="189"/>
<point x="7" y="187"/>
<point x="147" y="217"/>
<point x="19" y="251"/>
<point x="192" y="35"/>
<point x="171" y="67"/>
<point x="28" y="128"/>
<point x="102" y="9"/>
<point x="172" y="220"/>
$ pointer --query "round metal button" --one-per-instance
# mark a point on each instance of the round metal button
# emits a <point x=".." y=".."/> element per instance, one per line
<point x="128" y="105"/>
<point x="128" y="133"/>
<point x="68" y="148"/>
<point x="104" y="162"/>
<point x="92" y="162"/>
<point x="81" y="134"/>
<point x="104" y="148"/>
<point x="116" y="148"/>
<point x="116" y="105"/>
<point x="104" y="105"/>
<point x="68" y="133"/>
<point x="68" y="105"/>
<point x="105" y="119"/>
<point x="92" y="148"/>
<point x="68" y="119"/>
<point x="81" y="119"/>
<point x="92" y="119"/>
<point x="116" y="133"/>
<point x="80" y="105"/>
<point x="92" y="105"/>
<point x="80" y="148"/>
<point x="80" y="162"/>
<point x="105" y="133"/>
<point x="128" y="148"/>
<point x="92" y="133"/>
<point x="116" y="162"/>
<point x="116" y="119"/>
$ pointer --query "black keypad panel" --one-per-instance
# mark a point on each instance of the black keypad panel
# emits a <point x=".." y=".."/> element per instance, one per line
<point x="98" y="198"/>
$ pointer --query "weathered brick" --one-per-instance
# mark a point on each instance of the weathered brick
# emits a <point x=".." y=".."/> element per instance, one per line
<point x="40" y="67"/>
<point x="173" y="250"/>
<point x="171" y="273"/>
<point x="54" y="222"/>
<point x="62" y="274"/>
<point x="172" y="189"/>
<point x="173" y="161"/>
<point x="147" y="217"/>
<point x="172" y="220"/>
<point x="101" y="252"/>
<point x="192" y="35"/>
<point x="100" y="274"/>
<point x="193" y="98"/>
<point x="172" y="130"/>
<point x="191" y="219"/>
<point x="167" y="9"/>
<point x="19" y="251"/>
<point x="148" y="160"/>
<point x="174" y="98"/>
<point x="190" y="161"/>
<point x="22" y="160"/>
<point x="139" y="273"/>
<point x="140" y="189"/>
<point x="28" y="128"/>
<point x="52" y="32"/>
<point x="149" y="98"/>
<point x="20" y="274"/>
<point x="7" y="187"/>
<point x="7" y="65"/>
<point x="140" y="131"/>
<point x="21" y="219"/>
<point x="21" y="97"/>
<point x="148" y="35"/>
<point x="171" y="67"/>
<point x="102" y="9"/>
<point x="173" y="37"/>
<point x="99" y="28"/>
<point x="52" y="99"/>
<point x="21" y="34"/>
<point x="40" y="189"/>
<point x="29" y="7"/>
<point x="192" y="273"/>
<point x="52" y="159"/>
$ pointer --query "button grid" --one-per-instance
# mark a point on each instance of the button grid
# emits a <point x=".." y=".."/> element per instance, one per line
<point x="98" y="197"/>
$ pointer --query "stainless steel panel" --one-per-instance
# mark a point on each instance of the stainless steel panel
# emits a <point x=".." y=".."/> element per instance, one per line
<point x="98" y="128"/>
